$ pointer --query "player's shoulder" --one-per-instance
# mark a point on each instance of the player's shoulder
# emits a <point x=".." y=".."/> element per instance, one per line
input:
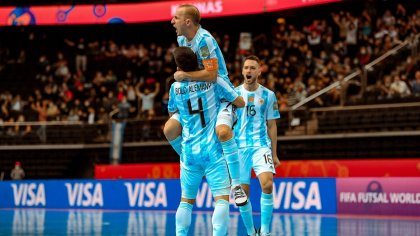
<point x="267" y="90"/>
<point x="203" y="33"/>
<point x="239" y="87"/>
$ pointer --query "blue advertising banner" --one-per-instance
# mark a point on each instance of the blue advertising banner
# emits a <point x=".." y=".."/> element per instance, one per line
<point x="290" y="195"/>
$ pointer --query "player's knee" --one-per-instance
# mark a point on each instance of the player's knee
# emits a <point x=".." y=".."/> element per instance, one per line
<point x="267" y="186"/>
<point x="224" y="132"/>
<point x="172" y="129"/>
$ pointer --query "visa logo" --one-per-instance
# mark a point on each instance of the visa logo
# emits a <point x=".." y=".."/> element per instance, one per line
<point x="29" y="194"/>
<point x="85" y="194"/>
<point x="297" y="196"/>
<point x="146" y="194"/>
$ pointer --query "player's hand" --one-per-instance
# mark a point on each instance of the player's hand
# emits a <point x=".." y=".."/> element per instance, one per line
<point x="276" y="161"/>
<point x="179" y="76"/>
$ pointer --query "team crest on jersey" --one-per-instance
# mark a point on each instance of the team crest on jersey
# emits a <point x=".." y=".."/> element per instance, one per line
<point x="205" y="52"/>
<point x="250" y="99"/>
<point x="261" y="101"/>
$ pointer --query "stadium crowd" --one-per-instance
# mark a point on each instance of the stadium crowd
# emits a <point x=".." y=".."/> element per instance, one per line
<point x="77" y="79"/>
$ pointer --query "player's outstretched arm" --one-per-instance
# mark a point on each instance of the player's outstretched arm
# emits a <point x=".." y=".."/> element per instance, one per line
<point x="201" y="75"/>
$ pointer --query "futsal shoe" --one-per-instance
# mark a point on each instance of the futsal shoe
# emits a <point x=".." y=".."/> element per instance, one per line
<point x="240" y="196"/>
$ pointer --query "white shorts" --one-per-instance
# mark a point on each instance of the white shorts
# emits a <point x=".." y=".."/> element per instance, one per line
<point x="258" y="158"/>
<point x="176" y="117"/>
<point x="226" y="114"/>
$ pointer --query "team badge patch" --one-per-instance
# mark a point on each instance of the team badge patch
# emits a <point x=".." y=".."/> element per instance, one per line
<point x="261" y="101"/>
<point x="205" y="52"/>
<point x="251" y="99"/>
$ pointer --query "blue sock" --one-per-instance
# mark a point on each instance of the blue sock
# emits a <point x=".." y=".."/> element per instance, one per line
<point x="176" y="144"/>
<point x="230" y="151"/>
<point x="246" y="213"/>
<point x="220" y="218"/>
<point x="183" y="218"/>
<point x="266" y="211"/>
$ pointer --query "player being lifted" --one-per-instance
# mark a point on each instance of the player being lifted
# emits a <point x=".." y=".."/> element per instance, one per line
<point x="212" y="67"/>
<point x="201" y="152"/>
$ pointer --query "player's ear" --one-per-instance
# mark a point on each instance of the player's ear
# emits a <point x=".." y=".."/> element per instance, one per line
<point x="187" y="21"/>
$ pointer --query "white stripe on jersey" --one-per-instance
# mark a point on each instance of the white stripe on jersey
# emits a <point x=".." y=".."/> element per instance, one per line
<point x="251" y="128"/>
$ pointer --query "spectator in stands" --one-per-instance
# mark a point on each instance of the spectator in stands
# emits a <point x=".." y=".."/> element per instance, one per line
<point x="81" y="53"/>
<point x="399" y="88"/>
<point x="17" y="172"/>
<point x="289" y="53"/>
<point x="91" y="115"/>
<point x="415" y="85"/>
<point x="147" y="96"/>
<point x="123" y="108"/>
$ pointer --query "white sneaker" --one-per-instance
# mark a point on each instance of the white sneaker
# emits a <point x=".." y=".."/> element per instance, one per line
<point x="240" y="197"/>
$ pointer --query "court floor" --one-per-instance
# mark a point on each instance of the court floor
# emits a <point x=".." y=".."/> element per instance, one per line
<point x="96" y="222"/>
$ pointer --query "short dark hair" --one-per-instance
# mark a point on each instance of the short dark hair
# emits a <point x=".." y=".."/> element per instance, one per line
<point x="253" y="58"/>
<point x="185" y="59"/>
<point x="192" y="13"/>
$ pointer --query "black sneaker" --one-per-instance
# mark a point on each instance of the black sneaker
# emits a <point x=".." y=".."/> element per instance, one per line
<point x="240" y="197"/>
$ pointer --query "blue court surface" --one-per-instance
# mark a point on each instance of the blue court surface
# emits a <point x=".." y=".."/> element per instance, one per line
<point x="94" y="222"/>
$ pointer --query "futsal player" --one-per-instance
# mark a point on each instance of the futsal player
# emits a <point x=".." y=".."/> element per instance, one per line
<point x="212" y="67"/>
<point x="256" y="134"/>
<point x="197" y="104"/>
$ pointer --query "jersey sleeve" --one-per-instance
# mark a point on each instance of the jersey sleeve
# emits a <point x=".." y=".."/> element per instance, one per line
<point x="171" y="103"/>
<point x="225" y="91"/>
<point x="272" y="112"/>
<point x="207" y="51"/>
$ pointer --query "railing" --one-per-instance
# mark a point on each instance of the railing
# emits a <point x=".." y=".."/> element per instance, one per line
<point x="411" y="44"/>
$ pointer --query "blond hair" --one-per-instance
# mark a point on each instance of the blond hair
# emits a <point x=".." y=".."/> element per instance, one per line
<point x="192" y="13"/>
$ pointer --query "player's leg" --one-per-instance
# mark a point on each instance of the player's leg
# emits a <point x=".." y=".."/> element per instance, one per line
<point x="246" y="214"/>
<point x="183" y="216"/>
<point x="266" y="201"/>
<point x="172" y="131"/>
<point x="264" y="168"/>
<point x="245" y="163"/>
<point x="217" y="177"/>
<point x="220" y="219"/>
<point x="190" y="182"/>
<point x="225" y="121"/>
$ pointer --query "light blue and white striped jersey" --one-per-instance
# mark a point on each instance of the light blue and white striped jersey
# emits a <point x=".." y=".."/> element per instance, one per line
<point x="205" y="47"/>
<point x="198" y="104"/>
<point x="251" y="128"/>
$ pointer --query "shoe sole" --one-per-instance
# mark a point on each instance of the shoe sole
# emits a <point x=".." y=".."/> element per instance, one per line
<point x="241" y="204"/>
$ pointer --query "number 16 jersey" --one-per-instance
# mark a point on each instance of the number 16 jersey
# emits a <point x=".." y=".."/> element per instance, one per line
<point x="260" y="106"/>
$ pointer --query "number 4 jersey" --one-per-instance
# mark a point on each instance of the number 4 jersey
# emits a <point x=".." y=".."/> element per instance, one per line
<point x="251" y="128"/>
<point x="198" y="104"/>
